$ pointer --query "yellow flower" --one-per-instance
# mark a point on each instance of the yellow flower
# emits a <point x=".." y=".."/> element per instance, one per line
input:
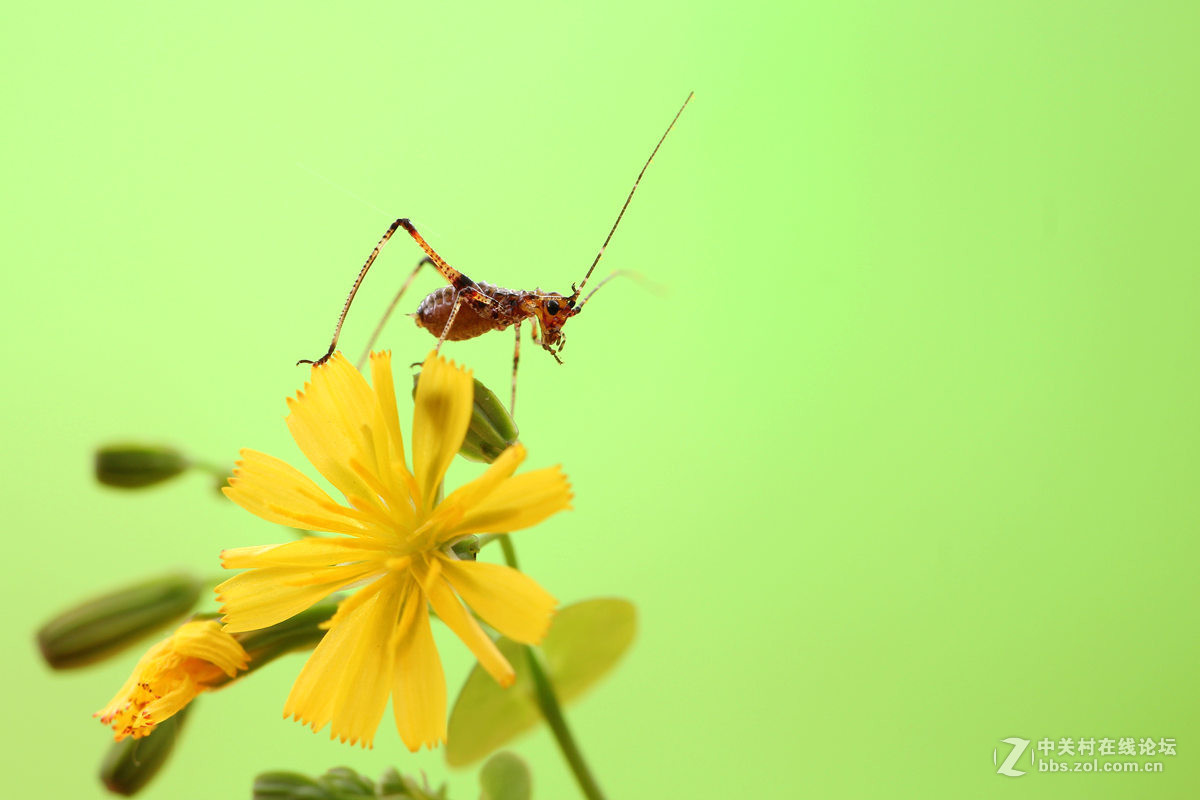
<point x="395" y="544"/>
<point x="194" y="658"/>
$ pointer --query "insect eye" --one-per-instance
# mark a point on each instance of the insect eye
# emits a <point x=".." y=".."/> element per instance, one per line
<point x="552" y="307"/>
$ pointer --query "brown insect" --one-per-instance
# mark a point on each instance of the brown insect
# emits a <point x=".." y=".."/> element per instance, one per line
<point x="465" y="308"/>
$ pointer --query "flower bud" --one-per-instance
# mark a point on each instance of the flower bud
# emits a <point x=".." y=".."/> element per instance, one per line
<point x="467" y="548"/>
<point x="394" y="785"/>
<point x="285" y="786"/>
<point x="96" y="629"/>
<point x="342" y="783"/>
<point x="131" y="763"/>
<point x="505" y="776"/>
<point x="299" y="632"/>
<point x="339" y="783"/>
<point x="492" y="429"/>
<point x="132" y="466"/>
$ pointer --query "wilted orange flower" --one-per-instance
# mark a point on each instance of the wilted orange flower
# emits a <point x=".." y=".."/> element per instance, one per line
<point x="171" y="673"/>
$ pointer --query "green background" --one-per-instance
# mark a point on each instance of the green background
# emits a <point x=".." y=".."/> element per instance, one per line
<point x="903" y="462"/>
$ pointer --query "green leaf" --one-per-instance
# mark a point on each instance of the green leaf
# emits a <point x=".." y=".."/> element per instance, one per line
<point x="505" y="776"/>
<point x="585" y="642"/>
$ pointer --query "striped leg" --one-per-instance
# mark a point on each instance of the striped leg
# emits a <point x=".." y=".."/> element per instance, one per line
<point x="512" y="405"/>
<point x="468" y="294"/>
<point x="362" y="273"/>
<point x="390" y="309"/>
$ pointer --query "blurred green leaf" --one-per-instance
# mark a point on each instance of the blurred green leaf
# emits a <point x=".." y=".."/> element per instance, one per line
<point x="505" y="776"/>
<point x="585" y="642"/>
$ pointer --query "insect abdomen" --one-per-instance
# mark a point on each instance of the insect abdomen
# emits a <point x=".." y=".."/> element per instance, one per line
<point x="472" y="320"/>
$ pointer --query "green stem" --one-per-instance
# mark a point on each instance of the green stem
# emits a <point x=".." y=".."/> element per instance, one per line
<point x="547" y="701"/>
<point x="550" y="707"/>
<point x="510" y="553"/>
<point x="220" y="473"/>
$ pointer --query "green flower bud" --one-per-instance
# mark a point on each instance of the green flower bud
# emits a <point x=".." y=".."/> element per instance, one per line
<point x="131" y="763"/>
<point x="286" y="786"/>
<point x="346" y="784"/>
<point x="394" y="785"/>
<point x="300" y="632"/>
<point x="467" y="547"/>
<point x="505" y="776"/>
<point x="341" y="783"/>
<point x="132" y="466"/>
<point x="492" y="429"/>
<point x="96" y="629"/>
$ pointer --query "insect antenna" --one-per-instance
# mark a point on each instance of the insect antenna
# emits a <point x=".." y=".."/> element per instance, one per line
<point x="657" y="288"/>
<point x="575" y="290"/>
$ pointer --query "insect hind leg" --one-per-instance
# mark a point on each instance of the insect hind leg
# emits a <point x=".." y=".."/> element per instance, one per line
<point x="362" y="273"/>
<point x="390" y="310"/>
<point x="512" y="405"/>
<point x="452" y="276"/>
<point x="466" y="294"/>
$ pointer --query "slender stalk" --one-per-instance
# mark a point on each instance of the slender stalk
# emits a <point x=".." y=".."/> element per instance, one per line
<point x="219" y="472"/>
<point x="550" y="707"/>
<point x="510" y="553"/>
<point x="548" y="703"/>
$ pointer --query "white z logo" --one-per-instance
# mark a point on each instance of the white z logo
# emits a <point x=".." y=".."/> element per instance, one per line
<point x="1018" y="748"/>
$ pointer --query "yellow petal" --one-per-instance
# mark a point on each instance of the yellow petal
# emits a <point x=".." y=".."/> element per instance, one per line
<point x="172" y="698"/>
<point x="205" y="640"/>
<point x="469" y="495"/>
<point x="445" y="397"/>
<point x="347" y="679"/>
<point x="451" y="612"/>
<point x="385" y="393"/>
<point x="510" y="601"/>
<point x="316" y="551"/>
<point x="330" y="421"/>
<point x="260" y="598"/>
<point x="517" y="503"/>
<point x="121" y="700"/>
<point x="419" y="685"/>
<point x="279" y="493"/>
